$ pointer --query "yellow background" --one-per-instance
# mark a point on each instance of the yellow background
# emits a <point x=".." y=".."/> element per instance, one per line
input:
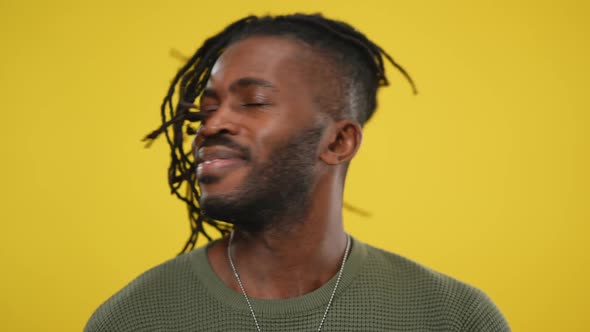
<point x="483" y="175"/>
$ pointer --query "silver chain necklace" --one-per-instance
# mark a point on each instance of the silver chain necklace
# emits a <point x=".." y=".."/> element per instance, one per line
<point x="233" y="267"/>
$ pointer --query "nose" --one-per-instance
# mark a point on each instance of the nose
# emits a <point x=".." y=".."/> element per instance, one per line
<point x="221" y="121"/>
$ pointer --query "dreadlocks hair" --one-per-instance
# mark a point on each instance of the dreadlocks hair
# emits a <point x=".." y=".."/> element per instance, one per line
<point x="358" y="62"/>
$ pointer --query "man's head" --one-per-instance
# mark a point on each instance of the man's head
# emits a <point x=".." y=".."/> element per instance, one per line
<point x="282" y="100"/>
<point x="257" y="149"/>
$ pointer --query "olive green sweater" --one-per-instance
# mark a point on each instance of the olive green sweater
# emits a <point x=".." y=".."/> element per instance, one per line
<point x="379" y="291"/>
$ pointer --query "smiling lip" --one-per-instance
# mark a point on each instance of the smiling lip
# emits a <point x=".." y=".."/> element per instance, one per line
<point x="217" y="161"/>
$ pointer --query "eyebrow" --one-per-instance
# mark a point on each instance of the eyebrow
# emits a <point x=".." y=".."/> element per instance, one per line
<point x="240" y="84"/>
<point x="249" y="81"/>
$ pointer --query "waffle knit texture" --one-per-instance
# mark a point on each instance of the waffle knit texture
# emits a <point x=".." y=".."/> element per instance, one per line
<point x="379" y="291"/>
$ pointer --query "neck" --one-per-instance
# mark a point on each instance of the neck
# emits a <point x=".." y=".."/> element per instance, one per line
<point x="284" y="262"/>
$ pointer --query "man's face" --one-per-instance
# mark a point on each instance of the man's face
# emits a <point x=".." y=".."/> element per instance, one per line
<point x="258" y="148"/>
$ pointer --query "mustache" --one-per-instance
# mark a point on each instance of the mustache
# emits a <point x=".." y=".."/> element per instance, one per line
<point x="225" y="141"/>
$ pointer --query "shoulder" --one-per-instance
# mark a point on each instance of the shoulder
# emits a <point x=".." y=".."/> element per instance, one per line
<point x="147" y="299"/>
<point x="431" y="294"/>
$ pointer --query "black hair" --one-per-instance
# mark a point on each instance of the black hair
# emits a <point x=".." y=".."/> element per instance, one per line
<point x="357" y="61"/>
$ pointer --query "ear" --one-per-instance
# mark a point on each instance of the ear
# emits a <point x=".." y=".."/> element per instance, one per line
<point x="343" y="142"/>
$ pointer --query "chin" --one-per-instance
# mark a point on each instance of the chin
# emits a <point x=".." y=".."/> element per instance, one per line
<point x="213" y="185"/>
<point x="217" y="206"/>
<point x="227" y="201"/>
<point x="215" y="191"/>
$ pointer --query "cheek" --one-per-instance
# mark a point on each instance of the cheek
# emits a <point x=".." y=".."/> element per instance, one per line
<point x="196" y="142"/>
<point x="263" y="146"/>
<point x="269" y="138"/>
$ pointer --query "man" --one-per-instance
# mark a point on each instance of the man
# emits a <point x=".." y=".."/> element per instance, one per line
<point x="281" y="104"/>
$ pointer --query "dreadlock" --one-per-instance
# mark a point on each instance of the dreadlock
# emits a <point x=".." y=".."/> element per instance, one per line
<point x="359" y="61"/>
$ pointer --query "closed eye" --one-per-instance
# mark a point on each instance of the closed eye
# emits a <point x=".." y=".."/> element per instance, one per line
<point x="255" y="104"/>
<point x="204" y="108"/>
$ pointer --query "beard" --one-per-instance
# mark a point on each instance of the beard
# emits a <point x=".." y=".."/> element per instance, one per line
<point x="277" y="188"/>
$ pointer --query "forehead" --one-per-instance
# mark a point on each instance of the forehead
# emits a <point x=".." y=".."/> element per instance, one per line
<point x="279" y="60"/>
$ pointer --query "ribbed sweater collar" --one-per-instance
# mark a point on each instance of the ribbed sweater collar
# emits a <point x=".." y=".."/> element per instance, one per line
<point x="311" y="301"/>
